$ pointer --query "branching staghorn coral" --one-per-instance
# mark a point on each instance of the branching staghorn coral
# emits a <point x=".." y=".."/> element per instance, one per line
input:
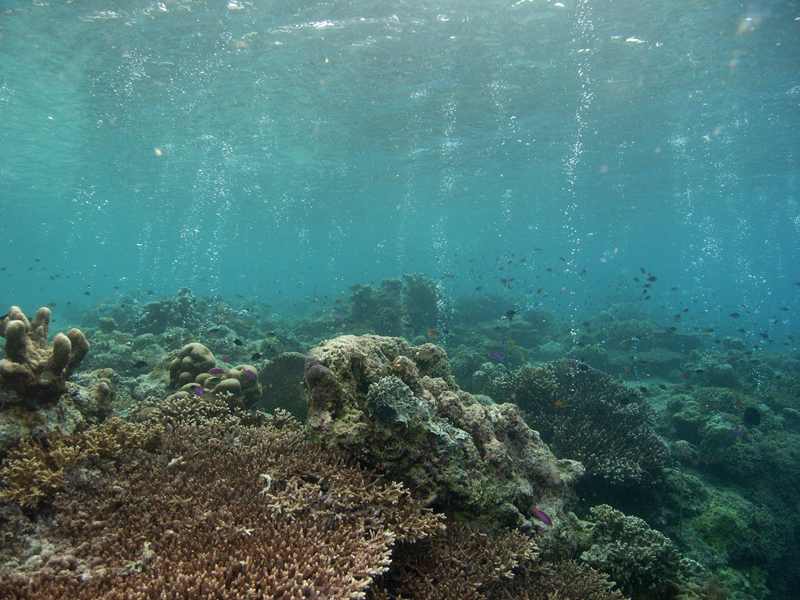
<point x="220" y="509"/>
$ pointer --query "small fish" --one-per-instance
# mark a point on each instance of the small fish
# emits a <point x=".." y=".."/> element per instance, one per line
<point x="709" y="460"/>
<point x="479" y="288"/>
<point x="238" y="342"/>
<point x="168" y="341"/>
<point x="52" y="304"/>
<point x="510" y="314"/>
<point x="737" y="432"/>
<point x="783" y="308"/>
<point x="540" y="290"/>
<point x="226" y="359"/>
<point x="739" y="404"/>
<point x="542" y="516"/>
<point x="763" y="486"/>
<point x="511" y="342"/>
<point x="217" y="371"/>
<point x="628" y="369"/>
<point x="249" y="373"/>
<point x="150" y="292"/>
<point x="625" y="343"/>
<point x="247" y="321"/>
<point x="198" y="390"/>
<point x="735" y="315"/>
<point x="86" y="293"/>
<point x="139" y="364"/>
<point x="559" y="403"/>
<point x="424" y="354"/>
<point x="338" y="319"/>
<point x="256" y="356"/>
<point x="433" y="334"/>
<point x="652" y="278"/>
<point x="719" y="406"/>
<point x="494" y="356"/>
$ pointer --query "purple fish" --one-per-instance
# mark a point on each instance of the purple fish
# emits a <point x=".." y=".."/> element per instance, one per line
<point x="543" y="517"/>
<point x="198" y="390"/>
<point x="709" y="459"/>
<point x="249" y="373"/>
<point x="216" y="371"/>
<point x="494" y="356"/>
<point x="338" y="319"/>
<point x="737" y="432"/>
<point x="226" y="359"/>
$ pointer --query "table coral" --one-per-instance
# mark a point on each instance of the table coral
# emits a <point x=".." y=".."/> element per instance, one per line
<point x="371" y="396"/>
<point x="31" y="369"/>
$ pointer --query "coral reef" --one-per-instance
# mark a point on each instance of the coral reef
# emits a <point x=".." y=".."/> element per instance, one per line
<point x="281" y="378"/>
<point x="371" y="396"/>
<point x="36" y="468"/>
<point x="584" y="415"/>
<point x="192" y="360"/>
<point x="421" y="298"/>
<point x="222" y="510"/>
<point x="639" y="559"/>
<point x="35" y="372"/>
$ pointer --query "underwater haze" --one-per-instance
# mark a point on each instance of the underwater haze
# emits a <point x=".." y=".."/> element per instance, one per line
<point x="599" y="190"/>
<point x="287" y="150"/>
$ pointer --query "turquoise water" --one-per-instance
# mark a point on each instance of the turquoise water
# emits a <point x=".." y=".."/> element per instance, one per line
<point x="281" y="150"/>
<point x="567" y="156"/>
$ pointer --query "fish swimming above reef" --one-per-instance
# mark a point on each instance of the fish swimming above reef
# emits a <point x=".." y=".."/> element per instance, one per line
<point x="494" y="356"/>
<point x="542" y="516"/>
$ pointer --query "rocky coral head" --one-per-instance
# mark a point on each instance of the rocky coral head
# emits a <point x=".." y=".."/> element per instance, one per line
<point x="321" y="389"/>
<point x="192" y="360"/>
<point x="31" y="368"/>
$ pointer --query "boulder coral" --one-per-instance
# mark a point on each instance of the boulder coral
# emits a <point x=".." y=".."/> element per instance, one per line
<point x="191" y="360"/>
<point x="32" y="369"/>
<point x="373" y="397"/>
<point x="238" y="386"/>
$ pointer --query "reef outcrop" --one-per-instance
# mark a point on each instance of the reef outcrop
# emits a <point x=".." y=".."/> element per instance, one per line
<point x="585" y="415"/>
<point x="396" y="408"/>
<point x="33" y="370"/>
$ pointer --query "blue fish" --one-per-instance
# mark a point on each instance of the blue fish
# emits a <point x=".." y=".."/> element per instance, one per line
<point x="494" y="356"/>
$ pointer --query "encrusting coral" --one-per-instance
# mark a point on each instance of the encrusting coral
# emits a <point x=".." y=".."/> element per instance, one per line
<point x="31" y="369"/>
<point x="373" y="397"/>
